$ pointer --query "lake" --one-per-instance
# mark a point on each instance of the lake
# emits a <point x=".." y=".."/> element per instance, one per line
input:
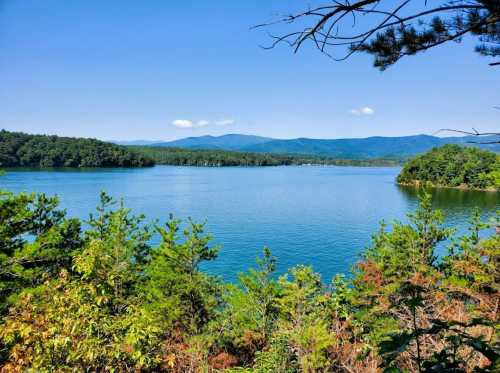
<point x="319" y="216"/>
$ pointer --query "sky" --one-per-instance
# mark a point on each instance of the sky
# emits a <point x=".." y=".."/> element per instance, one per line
<point x="162" y="70"/>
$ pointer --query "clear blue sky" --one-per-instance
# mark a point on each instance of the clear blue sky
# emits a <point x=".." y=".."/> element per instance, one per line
<point x="125" y="70"/>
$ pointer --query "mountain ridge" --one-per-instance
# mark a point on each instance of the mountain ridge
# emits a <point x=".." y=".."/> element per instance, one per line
<point x="348" y="148"/>
<point x="229" y="141"/>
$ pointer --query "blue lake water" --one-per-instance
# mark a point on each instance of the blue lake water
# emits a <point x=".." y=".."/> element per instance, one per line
<point x="320" y="216"/>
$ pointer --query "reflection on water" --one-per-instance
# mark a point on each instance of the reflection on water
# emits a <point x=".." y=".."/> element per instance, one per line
<point x="444" y="198"/>
<point x="456" y="203"/>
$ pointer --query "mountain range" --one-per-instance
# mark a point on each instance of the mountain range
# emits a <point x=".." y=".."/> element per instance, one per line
<point x="364" y="148"/>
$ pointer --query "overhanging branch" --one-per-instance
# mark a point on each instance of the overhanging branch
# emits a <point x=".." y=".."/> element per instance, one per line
<point x="390" y="30"/>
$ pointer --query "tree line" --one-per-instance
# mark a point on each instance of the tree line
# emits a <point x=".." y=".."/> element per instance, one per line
<point x="221" y="158"/>
<point x="23" y="150"/>
<point x="104" y="298"/>
<point x="454" y="166"/>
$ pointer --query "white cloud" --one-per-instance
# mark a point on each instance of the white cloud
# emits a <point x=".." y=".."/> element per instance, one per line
<point x="225" y="122"/>
<point x="187" y="123"/>
<point x="182" y="123"/>
<point x="202" y="123"/>
<point x="363" y="111"/>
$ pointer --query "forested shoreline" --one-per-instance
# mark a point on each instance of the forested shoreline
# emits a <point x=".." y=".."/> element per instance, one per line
<point x="453" y="166"/>
<point x="104" y="298"/>
<point x="19" y="149"/>
<point x="224" y="158"/>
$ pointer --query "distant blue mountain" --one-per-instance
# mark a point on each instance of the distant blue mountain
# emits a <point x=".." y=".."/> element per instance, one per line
<point x="370" y="147"/>
<point x="225" y="142"/>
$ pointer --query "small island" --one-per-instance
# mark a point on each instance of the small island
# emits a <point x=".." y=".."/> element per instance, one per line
<point x="453" y="166"/>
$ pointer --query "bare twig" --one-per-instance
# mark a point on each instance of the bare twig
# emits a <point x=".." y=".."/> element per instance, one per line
<point x="474" y="132"/>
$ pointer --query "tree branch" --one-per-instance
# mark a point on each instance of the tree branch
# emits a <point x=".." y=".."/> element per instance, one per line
<point x="396" y="34"/>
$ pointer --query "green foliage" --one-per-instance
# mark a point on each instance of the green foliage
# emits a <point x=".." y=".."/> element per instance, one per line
<point x="106" y="300"/>
<point x="304" y="311"/>
<point x="262" y="292"/>
<point x="90" y="318"/>
<point x="277" y="357"/>
<point x="221" y="158"/>
<point x="425" y="302"/>
<point x="186" y="297"/>
<point x="454" y="166"/>
<point x="22" y="150"/>
<point x="36" y="242"/>
<point x="403" y="39"/>
<point x="251" y="311"/>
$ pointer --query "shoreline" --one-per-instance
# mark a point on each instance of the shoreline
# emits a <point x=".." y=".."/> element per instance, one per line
<point x="28" y="168"/>
<point x="429" y="184"/>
